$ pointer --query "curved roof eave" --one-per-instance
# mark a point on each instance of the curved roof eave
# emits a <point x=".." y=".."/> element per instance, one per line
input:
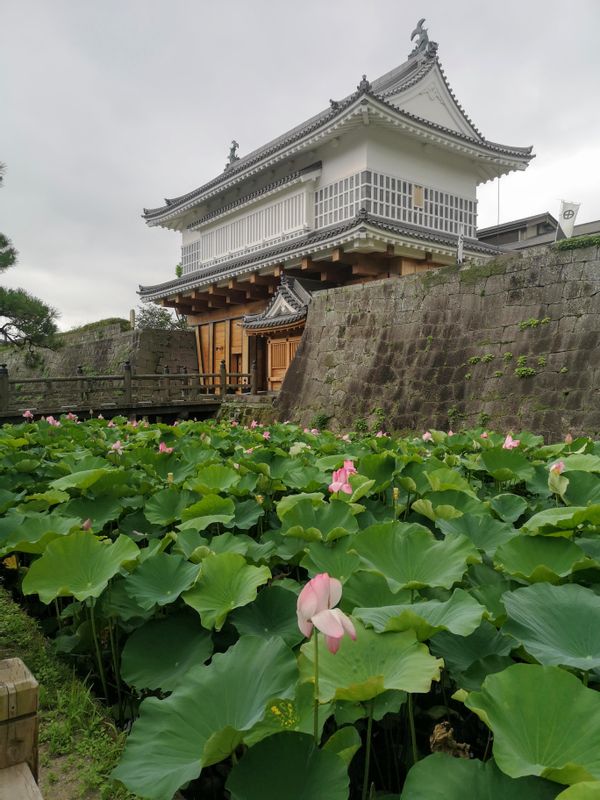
<point x="326" y="237"/>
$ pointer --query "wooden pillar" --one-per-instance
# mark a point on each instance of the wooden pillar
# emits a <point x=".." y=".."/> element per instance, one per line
<point x="127" y="388"/>
<point x="18" y="716"/>
<point x="3" y="388"/>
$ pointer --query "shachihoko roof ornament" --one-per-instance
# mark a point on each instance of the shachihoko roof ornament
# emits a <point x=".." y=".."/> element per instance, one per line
<point x="233" y="156"/>
<point x="423" y="46"/>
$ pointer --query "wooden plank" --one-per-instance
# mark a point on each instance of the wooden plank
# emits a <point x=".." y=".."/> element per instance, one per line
<point x="18" y="690"/>
<point x="18" y="743"/>
<point x="17" y="783"/>
<point x="338" y="254"/>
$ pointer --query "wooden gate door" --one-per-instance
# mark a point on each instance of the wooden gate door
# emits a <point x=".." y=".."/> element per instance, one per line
<point x="280" y="354"/>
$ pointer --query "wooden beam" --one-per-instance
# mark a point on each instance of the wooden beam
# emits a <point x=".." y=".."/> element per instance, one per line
<point x="262" y="280"/>
<point x="366" y="267"/>
<point x="338" y="254"/>
<point x="236" y="297"/>
<point x="308" y="264"/>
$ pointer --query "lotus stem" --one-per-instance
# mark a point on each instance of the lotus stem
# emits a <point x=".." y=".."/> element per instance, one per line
<point x="316" y="707"/>
<point x="115" y="665"/>
<point x="411" y="724"/>
<point x="98" y="653"/>
<point x="487" y="745"/>
<point x="365" y="785"/>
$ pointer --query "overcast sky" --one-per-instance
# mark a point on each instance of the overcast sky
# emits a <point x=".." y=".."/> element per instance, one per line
<point x="112" y="105"/>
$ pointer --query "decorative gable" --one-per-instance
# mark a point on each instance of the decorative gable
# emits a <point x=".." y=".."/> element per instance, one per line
<point x="430" y="98"/>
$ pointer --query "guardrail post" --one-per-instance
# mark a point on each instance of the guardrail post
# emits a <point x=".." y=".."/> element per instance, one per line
<point x="127" y="389"/>
<point x="223" y="377"/>
<point x="18" y="716"/>
<point x="81" y="386"/>
<point x="253" y="378"/>
<point x="3" y="387"/>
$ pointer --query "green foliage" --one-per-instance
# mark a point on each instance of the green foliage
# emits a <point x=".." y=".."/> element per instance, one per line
<point x="474" y="360"/>
<point x="487" y="358"/>
<point x="577" y="242"/>
<point x="507" y="356"/>
<point x="152" y="317"/>
<point x="542" y="361"/>
<point x="320" y="421"/>
<point x="361" y="425"/>
<point x="178" y="270"/>
<point x="521" y="361"/>
<point x="179" y="598"/>
<point x="26" y="321"/>
<point x="525" y="372"/>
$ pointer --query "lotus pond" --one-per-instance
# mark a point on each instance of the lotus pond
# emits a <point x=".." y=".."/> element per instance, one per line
<point x="184" y="568"/>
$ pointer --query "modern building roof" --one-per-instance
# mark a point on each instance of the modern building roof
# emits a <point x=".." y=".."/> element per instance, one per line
<point x="533" y="231"/>
<point x="377" y="96"/>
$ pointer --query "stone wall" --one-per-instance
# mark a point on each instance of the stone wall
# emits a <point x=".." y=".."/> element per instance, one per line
<point x="103" y="350"/>
<point x="510" y="345"/>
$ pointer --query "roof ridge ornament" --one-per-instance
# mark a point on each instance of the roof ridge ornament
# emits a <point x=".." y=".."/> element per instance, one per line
<point x="233" y="156"/>
<point x="364" y="85"/>
<point x="424" y="46"/>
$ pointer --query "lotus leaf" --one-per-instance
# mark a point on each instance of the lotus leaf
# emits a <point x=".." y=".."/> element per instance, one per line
<point x="537" y="558"/>
<point x="161" y="652"/>
<point x="470" y="659"/>
<point x="378" y="467"/>
<point x="333" y="559"/>
<point x="214" y="478"/>
<point x="557" y="625"/>
<point x="160" y="580"/>
<point x="83" y="479"/>
<point x="583" y="489"/>
<point x="441" y="777"/>
<point x="296" y="714"/>
<point x="372" y="664"/>
<point x="461" y="614"/>
<point x="78" y="565"/>
<point x="205" y="718"/>
<point x="345" y="742"/>
<point x="562" y="521"/>
<point x="273" y="613"/>
<point x="409" y="556"/>
<point x="247" y="514"/>
<point x="365" y="589"/>
<point x="544" y="721"/>
<point x="328" y="521"/>
<point x="587" y="790"/>
<point x="226" y="582"/>
<point x="509" y="507"/>
<point x="296" y="770"/>
<point x="486" y="533"/>
<point x="31" y="532"/>
<point x="205" y="512"/>
<point x="446" y="479"/>
<point x="166" y="506"/>
<point x="507" y="465"/>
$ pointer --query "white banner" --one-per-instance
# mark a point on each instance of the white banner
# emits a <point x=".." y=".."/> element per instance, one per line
<point x="566" y="220"/>
<point x="460" y="245"/>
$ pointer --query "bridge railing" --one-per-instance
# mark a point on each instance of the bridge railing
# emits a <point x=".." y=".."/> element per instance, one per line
<point x="128" y="389"/>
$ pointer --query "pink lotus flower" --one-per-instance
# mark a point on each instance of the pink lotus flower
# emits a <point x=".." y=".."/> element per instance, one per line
<point x="86" y="525"/>
<point x="315" y="607"/>
<point x="100" y="416"/>
<point x="234" y="423"/>
<point x="484" y="435"/>
<point x="427" y="437"/>
<point x="162" y="448"/>
<point x="339" y="482"/>
<point x="558" y="467"/>
<point x="266" y="435"/>
<point x="314" y="431"/>
<point x="111" y="424"/>
<point x="71" y="416"/>
<point x="249" y="450"/>
<point x="51" y="421"/>
<point x="450" y="433"/>
<point x="510" y="443"/>
<point x="27" y="414"/>
<point x="568" y="437"/>
<point x="346" y="437"/>
<point x="117" y="447"/>
<point x="254" y="424"/>
<point x="379" y="434"/>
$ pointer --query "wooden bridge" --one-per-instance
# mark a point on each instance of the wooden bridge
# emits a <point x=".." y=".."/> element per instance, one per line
<point x="130" y="394"/>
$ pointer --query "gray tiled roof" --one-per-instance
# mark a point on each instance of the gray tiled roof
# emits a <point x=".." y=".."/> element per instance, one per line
<point x="392" y="82"/>
<point x="297" y="295"/>
<point x="239" y="265"/>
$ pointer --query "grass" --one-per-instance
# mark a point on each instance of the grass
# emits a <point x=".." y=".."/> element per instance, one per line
<point x="78" y="744"/>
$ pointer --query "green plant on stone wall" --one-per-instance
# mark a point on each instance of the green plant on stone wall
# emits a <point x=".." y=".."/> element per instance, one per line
<point x="361" y="425"/>
<point x="576" y="242"/>
<point x="379" y="419"/>
<point x="474" y="360"/>
<point x="542" y="361"/>
<point x="487" y="358"/>
<point x="468" y="376"/>
<point x="507" y="357"/>
<point x="521" y="361"/>
<point x="498" y="373"/>
<point x="563" y="370"/>
<point x="320" y="421"/>
<point x="525" y="372"/>
<point x="429" y="343"/>
<point x="484" y="418"/>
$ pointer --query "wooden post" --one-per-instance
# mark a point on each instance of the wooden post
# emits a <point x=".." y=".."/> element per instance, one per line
<point x="223" y="377"/>
<point x="253" y="378"/>
<point x="127" y="393"/>
<point x="18" y="716"/>
<point x="3" y="388"/>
